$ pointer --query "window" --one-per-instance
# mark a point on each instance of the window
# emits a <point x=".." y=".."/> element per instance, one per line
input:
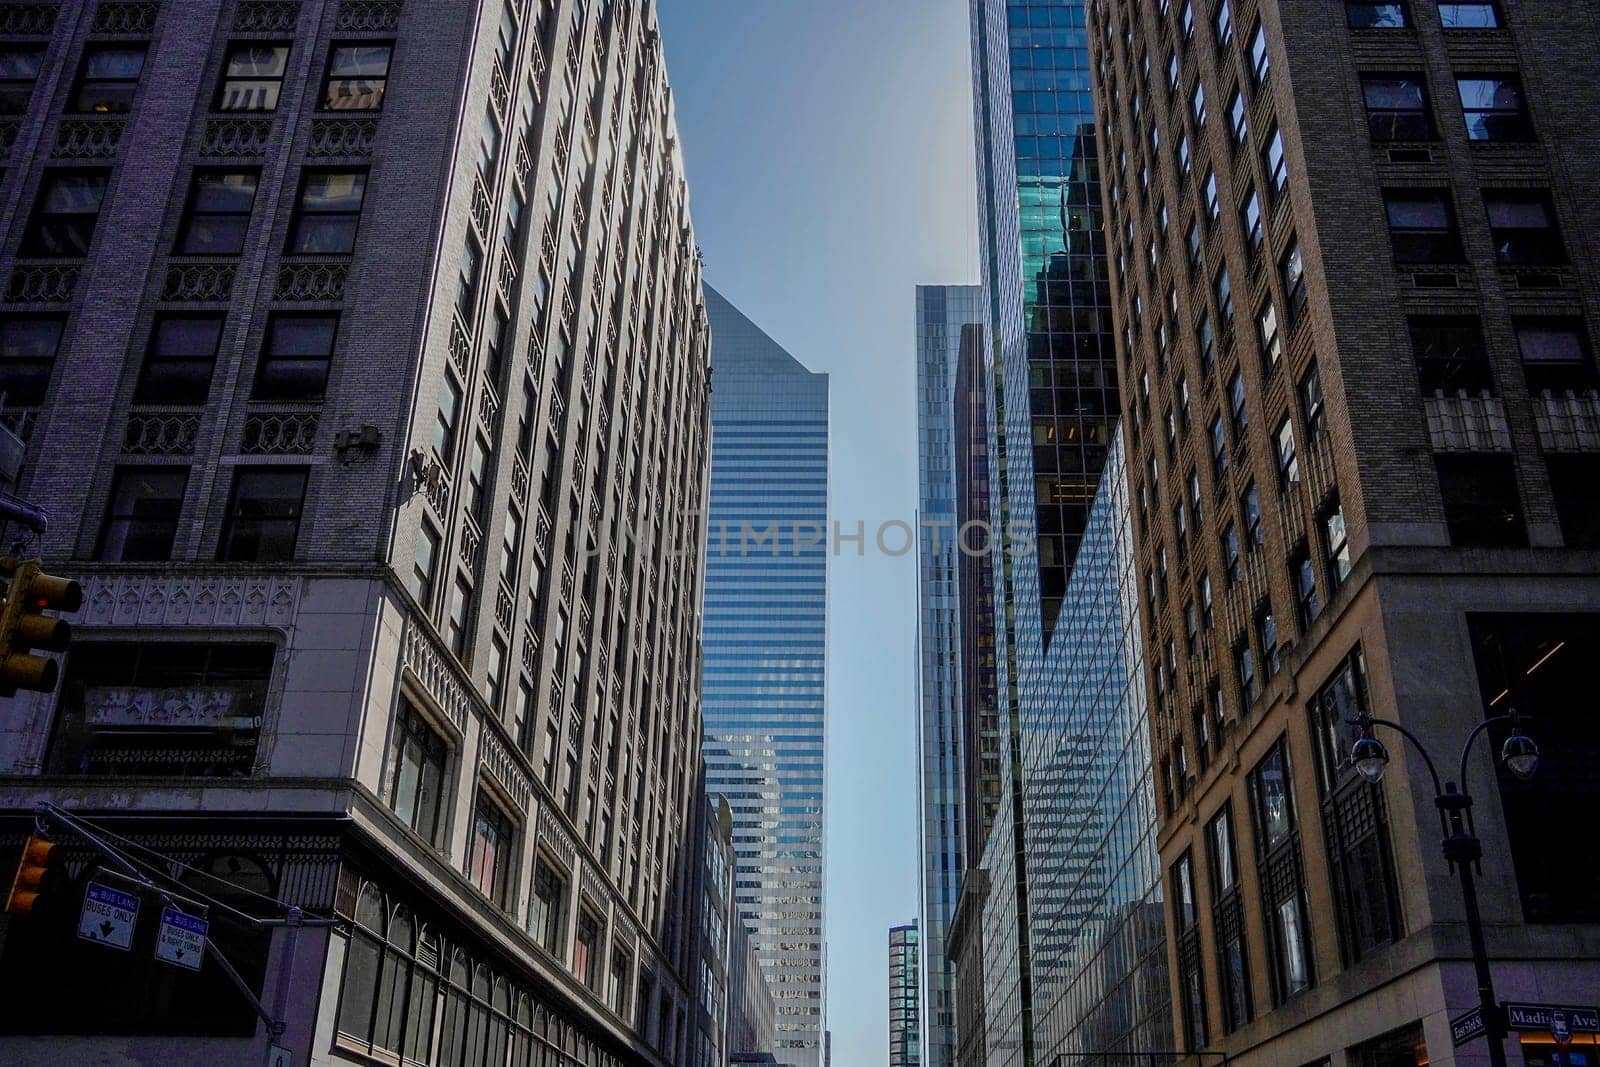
<point x="1213" y="198"/>
<point x="424" y="563"/>
<point x="1206" y="344"/>
<point x="1288" y="461"/>
<point x="1469" y="16"/>
<point x="1267" y="636"/>
<point x="477" y="478"/>
<point x="1422" y="226"/>
<point x="490" y="857"/>
<point x="1303" y="575"/>
<point x="1404" y="1047"/>
<point x="1523" y="227"/>
<point x="1494" y="108"/>
<point x="445" y="420"/>
<point x="1481" y="503"/>
<point x="1250" y="223"/>
<point x="505" y="45"/>
<point x="108" y="79"/>
<point x="1397" y="107"/>
<point x="1222" y="22"/>
<point x="218" y="218"/>
<point x="263" y="517"/>
<point x="177" y="368"/>
<point x="1208" y="616"/>
<point x="1336" y="545"/>
<point x="1244" y="667"/>
<point x="467" y="281"/>
<point x="1282" y="876"/>
<point x="1224" y="295"/>
<point x="390" y="983"/>
<point x="64" y="221"/>
<point x="142" y="515"/>
<point x="489" y="138"/>
<point x="1193" y="247"/>
<point x="1365" y="15"/>
<point x="1238" y="409"/>
<point x="1219" y="848"/>
<point x="1185" y="162"/>
<point x="1277" y="168"/>
<point x="1172" y="72"/>
<point x="1260" y="61"/>
<point x="1555" y="353"/>
<point x="494" y="690"/>
<point x="252" y="76"/>
<point x="1268" y="337"/>
<point x="1228" y="917"/>
<point x="1186" y="920"/>
<point x="294" y="364"/>
<point x="19" y="71"/>
<point x="1197" y="105"/>
<point x="547" y="907"/>
<point x="1573" y="478"/>
<point x="1219" y="450"/>
<point x="458" y="622"/>
<point x="510" y="547"/>
<point x="620" y="981"/>
<point x="1313" y="413"/>
<point x="1250" y="506"/>
<point x="358" y="76"/>
<point x="419" y="773"/>
<point x="1450" y="354"/>
<point x="1238" y="119"/>
<point x="586" y="947"/>
<point x="1186" y="19"/>
<point x="329" y="212"/>
<point x="28" y="347"/>
<point x="1230" y="552"/>
<point x="1355" y="817"/>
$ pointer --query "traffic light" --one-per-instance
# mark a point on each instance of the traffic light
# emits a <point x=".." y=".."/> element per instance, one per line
<point x="29" y="882"/>
<point x="24" y="626"/>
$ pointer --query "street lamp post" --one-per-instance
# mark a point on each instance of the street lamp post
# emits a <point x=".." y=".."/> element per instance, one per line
<point x="1462" y="848"/>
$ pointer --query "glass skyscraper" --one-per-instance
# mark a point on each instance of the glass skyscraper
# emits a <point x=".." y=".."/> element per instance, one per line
<point x="765" y="675"/>
<point x="944" y="312"/>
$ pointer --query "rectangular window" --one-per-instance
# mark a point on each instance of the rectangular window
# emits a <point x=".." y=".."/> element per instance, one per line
<point x="419" y="773"/>
<point x="1233" y="967"/>
<point x="1250" y="222"/>
<point x="1272" y="158"/>
<point x="1244" y="668"/>
<point x="1269" y="338"/>
<point x="1260" y="61"/>
<point x="1481" y="503"/>
<point x="294" y="365"/>
<point x="1230" y="552"/>
<point x="1267" y="637"/>
<point x="445" y="420"/>
<point x="1313" y="414"/>
<point x="328" y="213"/>
<point x="1555" y="354"/>
<point x="182" y="355"/>
<point x="1397" y="107"/>
<point x="1288" y="460"/>
<point x="585" y="948"/>
<point x="252" y="76"/>
<point x="1400" y="1048"/>
<point x="64" y="219"/>
<point x="1283" y="901"/>
<point x="1336" y="546"/>
<point x="1191" y="979"/>
<point x="108" y="78"/>
<point x="1238" y="408"/>
<point x="1522" y="225"/>
<point x="1219" y="450"/>
<point x="1219" y="849"/>
<point x="547" y="907"/>
<point x="424" y="563"/>
<point x="477" y="479"/>
<point x="1186" y="19"/>
<point x="495" y="673"/>
<point x="459" y="622"/>
<point x="1469" y="16"/>
<point x="490" y="857"/>
<point x="1238" y="119"/>
<point x="1303" y="573"/>
<point x="1255" y="531"/>
<point x="358" y="76"/>
<point x="142" y="515"/>
<point x="1213" y="198"/>
<point x="1206" y="344"/>
<point x="1224" y="295"/>
<point x="467" y="281"/>
<point x="1222" y="22"/>
<point x="19" y="72"/>
<point x="263" y="519"/>
<point x="510" y="547"/>
<point x="1193" y="246"/>
<point x="218" y="217"/>
<point x="1366" y="15"/>
<point x="1197" y="105"/>
<point x="1494" y="108"/>
<point x="1422" y="226"/>
<point x="28" y="348"/>
<point x="1450" y="354"/>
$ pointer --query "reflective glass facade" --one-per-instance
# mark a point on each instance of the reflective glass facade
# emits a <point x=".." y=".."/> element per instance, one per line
<point x="942" y="314"/>
<point x="765" y="676"/>
<point x="905" y="951"/>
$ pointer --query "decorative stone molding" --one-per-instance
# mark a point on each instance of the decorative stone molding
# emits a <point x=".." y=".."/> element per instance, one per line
<point x="266" y="16"/>
<point x="87" y="139"/>
<point x="373" y="16"/>
<point x="279" y="434"/>
<point x="127" y="17"/>
<point x="20" y="421"/>
<point x="519" y="480"/>
<point x="1463" y="423"/>
<point x="1569" y="421"/>
<point x="496" y="758"/>
<point x="482" y="207"/>
<point x="236" y="138"/>
<point x="505" y="608"/>
<point x="42" y="283"/>
<point x="28" y="20"/>
<point x="210" y="283"/>
<point x="499" y="90"/>
<point x="161" y="434"/>
<point x="530" y="649"/>
<point x="460" y="346"/>
<point x="311" y="281"/>
<point x="488" y="405"/>
<point x="429" y="666"/>
<point x="471" y="540"/>
<point x="342" y="137"/>
<point x="203" y="600"/>
<point x="554" y="837"/>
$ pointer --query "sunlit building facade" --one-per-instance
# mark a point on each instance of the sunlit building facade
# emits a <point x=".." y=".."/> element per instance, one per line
<point x="905" y="989"/>
<point x="765" y="678"/>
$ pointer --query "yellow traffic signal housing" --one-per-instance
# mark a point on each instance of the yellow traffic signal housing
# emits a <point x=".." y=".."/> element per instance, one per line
<point x="29" y="882"/>
<point x="24" y="627"/>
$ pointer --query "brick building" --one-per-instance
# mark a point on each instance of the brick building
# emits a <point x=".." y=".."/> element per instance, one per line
<point x="360" y="352"/>
<point x="1354" y="285"/>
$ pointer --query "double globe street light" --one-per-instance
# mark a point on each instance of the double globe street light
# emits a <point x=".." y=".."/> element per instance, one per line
<point x="1462" y="849"/>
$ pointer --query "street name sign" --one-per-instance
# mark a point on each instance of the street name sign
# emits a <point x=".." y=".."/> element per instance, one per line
<point x="181" y="939"/>
<point x="108" y="916"/>
<point x="1468" y="1026"/>
<point x="1541" y="1018"/>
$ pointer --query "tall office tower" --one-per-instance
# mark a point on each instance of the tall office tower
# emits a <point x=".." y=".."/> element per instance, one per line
<point x="1051" y="378"/>
<point x="1356" y="289"/>
<point x="361" y="355"/>
<point x="943" y="314"/>
<point x="905" y="1024"/>
<point x="765" y="675"/>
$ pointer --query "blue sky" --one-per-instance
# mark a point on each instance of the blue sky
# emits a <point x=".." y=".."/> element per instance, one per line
<point x="829" y="149"/>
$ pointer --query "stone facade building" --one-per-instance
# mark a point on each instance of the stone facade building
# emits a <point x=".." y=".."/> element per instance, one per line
<point x="361" y="355"/>
<point x="1354" y="283"/>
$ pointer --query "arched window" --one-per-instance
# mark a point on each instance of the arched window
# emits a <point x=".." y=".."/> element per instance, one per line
<point x="423" y="1002"/>
<point x="522" y="1032"/>
<point x="453" y="1033"/>
<point x="478" y="1023"/>
<point x="394" y="983"/>
<point x="499" y="1022"/>
<point x="363" y="957"/>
